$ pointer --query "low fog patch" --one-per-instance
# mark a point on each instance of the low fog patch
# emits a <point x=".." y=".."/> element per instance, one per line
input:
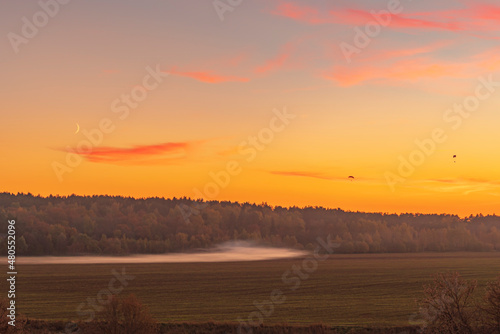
<point x="232" y="251"/>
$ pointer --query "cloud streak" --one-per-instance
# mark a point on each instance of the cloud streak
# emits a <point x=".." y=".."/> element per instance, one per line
<point x="305" y="14"/>
<point x="278" y="61"/>
<point x="350" y="16"/>
<point x="163" y="153"/>
<point x="403" y="70"/>
<point x="208" y="76"/>
<point x="302" y="174"/>
<point x="464" y="186"/>
<point x="315" y="175"/>
<point x="466" y="19"/>
<point x="412" y="65"/>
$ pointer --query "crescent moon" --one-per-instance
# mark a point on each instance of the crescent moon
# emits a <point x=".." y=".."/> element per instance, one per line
<point x="77" y="128"/>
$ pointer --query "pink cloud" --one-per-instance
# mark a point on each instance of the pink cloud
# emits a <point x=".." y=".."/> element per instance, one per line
<point x="139" y="154"/>
<point x="300" y="13"/>
<point x="209" y="77"/>
<point x="412" y="64"/>
<point x="278" y="61"/>
<point x="274" y="63"/>
<point x="361" y="17"/>
<point x="310" y="15"/>
<point x="450" y="20"/>
<point x="403" y="70"/>
<point x="412" y="69"/>
<point x="487" y="12"/>
<point x="392" y="54"/>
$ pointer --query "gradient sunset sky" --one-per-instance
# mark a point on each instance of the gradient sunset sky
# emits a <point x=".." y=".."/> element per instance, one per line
<point x="224" y="80"/>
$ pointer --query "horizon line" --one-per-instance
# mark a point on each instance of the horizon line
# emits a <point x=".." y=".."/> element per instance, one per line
<point x="264" y="203"/>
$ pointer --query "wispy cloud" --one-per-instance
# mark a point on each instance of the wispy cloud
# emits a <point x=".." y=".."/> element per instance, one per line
<point x="487" y="12"/>
<point x="462" y="19"/>
<point x="163" y="153"/>
<point x="412" y="64"/>
<point x="390" y="64"/>
<point x="208" y="76"/>
<point x="316" y="175"/>
<point x="278" y="61"/>
<point x="402" y="70"/>
<point x="350" y="16"/>
<point x="398" y="21"/>
<point x="464" y="186"/>
<point x="389" y="53"/>
<point x="301" y="174"/>
<point x="306" y="14"/>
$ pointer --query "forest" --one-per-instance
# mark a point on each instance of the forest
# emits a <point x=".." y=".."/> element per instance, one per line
<point x="114" y="225"/>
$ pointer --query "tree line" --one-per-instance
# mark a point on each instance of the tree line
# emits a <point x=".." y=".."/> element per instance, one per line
<point x="70" y="225"/>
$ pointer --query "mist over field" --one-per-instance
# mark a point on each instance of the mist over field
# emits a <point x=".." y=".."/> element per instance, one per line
<point x="225" y="252"/>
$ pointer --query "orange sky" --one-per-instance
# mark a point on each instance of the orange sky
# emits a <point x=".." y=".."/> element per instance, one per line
<point x="266" y="101"/>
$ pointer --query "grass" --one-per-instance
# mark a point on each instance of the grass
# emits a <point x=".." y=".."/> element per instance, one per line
<point x="345" y="290"/>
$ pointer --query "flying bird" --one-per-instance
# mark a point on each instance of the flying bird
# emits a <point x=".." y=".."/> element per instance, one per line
<point x="351" y="177"/>
<point x="454" y="157"/>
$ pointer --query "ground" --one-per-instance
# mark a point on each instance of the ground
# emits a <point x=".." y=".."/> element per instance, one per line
<point x="345" y="290"/>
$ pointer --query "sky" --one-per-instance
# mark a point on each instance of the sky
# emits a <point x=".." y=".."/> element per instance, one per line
<point x="255" y="101"/>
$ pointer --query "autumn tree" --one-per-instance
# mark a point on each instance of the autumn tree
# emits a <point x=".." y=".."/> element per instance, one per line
<point x="126" y="316"/>
<point x="492" y="305"/>
<point x="60" y="225"/>
<point x="448" y="307"/>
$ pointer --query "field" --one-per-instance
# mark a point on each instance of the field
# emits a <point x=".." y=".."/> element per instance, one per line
<point x="345" y="290"/>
